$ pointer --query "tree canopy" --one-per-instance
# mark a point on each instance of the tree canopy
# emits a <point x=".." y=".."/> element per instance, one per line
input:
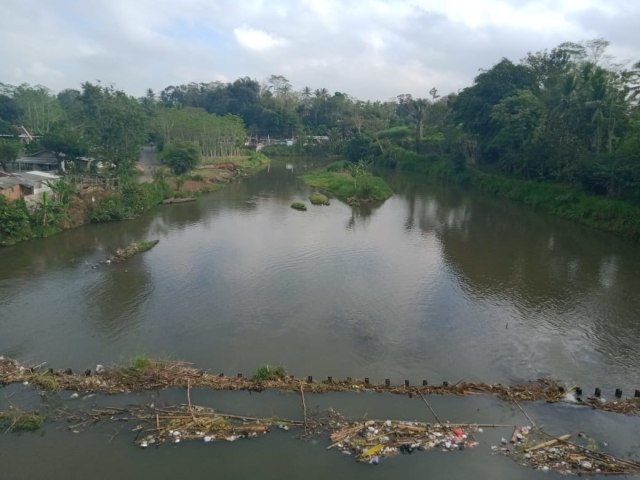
<point x="569" y="115"/>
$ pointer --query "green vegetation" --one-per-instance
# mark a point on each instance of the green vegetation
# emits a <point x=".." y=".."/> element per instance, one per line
<point x="211" y="135"/>
<point x="15" y="225"/>
<point x="46" y="381"/>
<point x="611" y="215"/>
<point x="129" y="200"/>
<point x="9" y="151"/>
<point x="268" y="372"/>
<point x="19" y="421"/>
<point x="299" y="206"/>
<point x="567" y="118"/>
<point x="140" y="363"/>
<point x="252" y="163"/>
<point x="181" y="157"/>
<point x="351" y="187"/>
<point x="318" y="198"/>
<point x="19" y="222"/>
<point x="614" y="216"/>
<point x="146" y="245"/>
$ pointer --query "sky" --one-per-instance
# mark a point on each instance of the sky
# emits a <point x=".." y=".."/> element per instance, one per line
<point x="370" y="49"/>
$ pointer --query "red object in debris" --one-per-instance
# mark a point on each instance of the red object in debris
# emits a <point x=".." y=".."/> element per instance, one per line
<point x="458" y="432"/>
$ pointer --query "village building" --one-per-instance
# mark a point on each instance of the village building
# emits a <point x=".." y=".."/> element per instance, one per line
<point x="27" y="185"/>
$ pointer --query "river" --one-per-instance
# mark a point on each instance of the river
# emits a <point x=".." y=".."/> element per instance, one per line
<point x="436" y="283"/>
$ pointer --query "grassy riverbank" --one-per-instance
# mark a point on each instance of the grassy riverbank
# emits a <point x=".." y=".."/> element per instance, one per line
<point x="76" y="207"/>
<point x="613" y="216"/>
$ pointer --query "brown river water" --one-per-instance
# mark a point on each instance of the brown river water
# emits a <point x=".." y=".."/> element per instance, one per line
<point x="437" y="283"/>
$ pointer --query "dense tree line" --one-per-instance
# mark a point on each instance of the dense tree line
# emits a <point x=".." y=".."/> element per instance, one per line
<point x="105" y="123"/>
<point x="568" y="116"/>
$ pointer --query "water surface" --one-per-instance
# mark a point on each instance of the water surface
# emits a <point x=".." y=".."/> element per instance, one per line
<point x="436" y="284"/>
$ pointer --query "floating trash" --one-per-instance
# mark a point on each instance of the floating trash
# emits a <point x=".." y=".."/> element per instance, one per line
<point x="544" y="452"/>
<point x="371" y="441"/>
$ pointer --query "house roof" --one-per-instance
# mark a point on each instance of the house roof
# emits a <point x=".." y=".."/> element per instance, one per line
<point x="9" y="182"/>
<point x="40" y="175"/>
<point x="44" y="158"/>
<point x="29" y="179"/>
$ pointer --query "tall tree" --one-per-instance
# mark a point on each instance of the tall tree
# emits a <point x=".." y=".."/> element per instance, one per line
<point x="115" y="124"/>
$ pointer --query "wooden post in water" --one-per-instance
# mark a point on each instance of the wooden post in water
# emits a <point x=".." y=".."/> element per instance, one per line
<point x="387" y="382"/>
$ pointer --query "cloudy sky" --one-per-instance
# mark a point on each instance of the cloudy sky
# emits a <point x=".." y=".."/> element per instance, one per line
<point x="373" y="49"/>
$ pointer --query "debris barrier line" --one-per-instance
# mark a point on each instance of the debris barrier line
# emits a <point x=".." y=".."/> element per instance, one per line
<point x="157" y="374"/>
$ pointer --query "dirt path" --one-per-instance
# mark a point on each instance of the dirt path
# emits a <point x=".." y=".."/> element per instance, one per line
<point x="148" y="161"/>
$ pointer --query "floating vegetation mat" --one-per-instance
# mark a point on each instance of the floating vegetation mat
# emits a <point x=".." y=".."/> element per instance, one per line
<point x="147" y="374"/>
<point x="130" y="250"/>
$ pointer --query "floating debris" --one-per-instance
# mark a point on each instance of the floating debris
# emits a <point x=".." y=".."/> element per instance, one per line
<point x="370" y="441"/>
<point x="171" y="201"/>
<point x="545" y="452"/>
<point x="132" y="249"/>
<point x="172" y="425"/>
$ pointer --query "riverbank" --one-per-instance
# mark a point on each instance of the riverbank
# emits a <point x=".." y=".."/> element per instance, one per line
<point x="81" y="205"/>
<point x="613" y="216"/>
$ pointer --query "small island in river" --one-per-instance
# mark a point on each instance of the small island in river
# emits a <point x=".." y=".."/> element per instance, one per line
<point x="350" y="182"/>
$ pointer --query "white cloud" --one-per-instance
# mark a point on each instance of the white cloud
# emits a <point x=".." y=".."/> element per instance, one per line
<point x="372" y="49"/>
<point x="257" y="40"/>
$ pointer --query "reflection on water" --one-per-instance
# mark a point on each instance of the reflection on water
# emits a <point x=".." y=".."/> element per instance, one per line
<point x="116" y="298"/>
<point x="565" y="289"/>
<point x="436" y="284"/>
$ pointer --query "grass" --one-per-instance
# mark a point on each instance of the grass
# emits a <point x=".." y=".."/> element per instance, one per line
<point x="268" y="372"/>
<point x="364" y="188"/>
<point x="253" y="163"/>
<point x="229" y="159"/>
<point x="318" y="198"/>
<point x="147" y="245"/>
<point x="19" y="421"/>
<point x="614" y="216"/>
<point x="46" y="381"/>
<point x="299" y="206"/>
<point x="140" y="363"/>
